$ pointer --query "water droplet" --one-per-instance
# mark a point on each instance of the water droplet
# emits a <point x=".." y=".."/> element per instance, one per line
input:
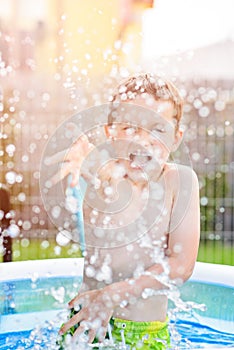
<point x="63" y="237"/>
<point x="34" y="277"/>
<point x="26" y="225"/>
<point x="87" y="56"/>
<point x="10" y="165"/>
<point x="84" y="71"/>
<point x="99" y="232"/>
<point x="204" y="112"/>
<point x="58" y="294"/>
<point x="177" y="248"/>
<point x="10" y="149"/>
<point x="36" y="209"/>
<point x="57" y="250"/>
<point x="72" y="205"/>
<point x="55" y="212"/>
<point x="129" y="248"/>
<point x="36" y="175"/>
<point x="90" y="271"/>
<point x="211" y="130"/>
<point x="45" y="244"/>
<point x="35" y="220"/>
<point x="21" y="196"/>
<point x="13" y="230"/>
<point x="25" y="158"/>
<point x="219" y="106"/>
<point x="48" y="184"/>
<point x="12" y="109"/>
<point x="25" y="242"/>
<point x="196" y="156"/>
<point x="197" y="103"/>
<point x="10" y="177"/>
<point x="108" y="190"/>
<point x="19" y="178"/>
<point x="46" y="96"/>
<point x="220" y="131"/>
<point x="204" y="201"/>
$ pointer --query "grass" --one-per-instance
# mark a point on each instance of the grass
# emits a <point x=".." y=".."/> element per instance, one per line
<point x="25" y="249"/>
<point x="216" y="252"/>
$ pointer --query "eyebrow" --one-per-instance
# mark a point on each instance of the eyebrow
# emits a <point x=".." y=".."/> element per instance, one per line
<point x="155" y="125"/>
<point x="159" y="123"/>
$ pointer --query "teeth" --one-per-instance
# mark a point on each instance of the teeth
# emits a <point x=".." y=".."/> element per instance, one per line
<point x="140" y="157"/>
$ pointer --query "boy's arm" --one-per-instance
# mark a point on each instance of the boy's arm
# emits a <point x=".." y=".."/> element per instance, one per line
<point x="183" y="239"/>
<point x="184" y="236"/>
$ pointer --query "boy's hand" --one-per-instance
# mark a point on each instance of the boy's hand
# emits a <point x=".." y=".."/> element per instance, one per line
<point x="71" y="160"/>
<point x="94" y="315"/>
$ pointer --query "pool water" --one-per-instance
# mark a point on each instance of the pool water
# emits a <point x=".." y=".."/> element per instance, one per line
<point x="32" y="311"/>
<point x="193" y="336"/>
<point x="36" y="294"/>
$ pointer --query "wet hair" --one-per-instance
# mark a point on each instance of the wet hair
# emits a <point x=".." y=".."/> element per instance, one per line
<point x="158" y="87"/>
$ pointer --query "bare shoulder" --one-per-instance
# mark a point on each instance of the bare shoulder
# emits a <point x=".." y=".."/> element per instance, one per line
<point x="183" y="183"/>
<point x="181" y="177"/>
<point x="173" y="170"/>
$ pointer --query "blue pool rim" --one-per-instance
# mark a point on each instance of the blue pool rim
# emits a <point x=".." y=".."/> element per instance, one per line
<point x="67" y="267"/>
<point x="217" y="274"/>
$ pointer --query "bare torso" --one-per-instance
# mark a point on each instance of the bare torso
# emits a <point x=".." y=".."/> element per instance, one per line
<point x="124" y="250"/>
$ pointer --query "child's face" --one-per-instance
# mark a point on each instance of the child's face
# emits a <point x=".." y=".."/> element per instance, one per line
<point x="149" y="135"/>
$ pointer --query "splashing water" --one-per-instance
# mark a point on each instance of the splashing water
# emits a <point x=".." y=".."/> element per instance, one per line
<point x="23" y="135"/>
<point x="186" y="332"/>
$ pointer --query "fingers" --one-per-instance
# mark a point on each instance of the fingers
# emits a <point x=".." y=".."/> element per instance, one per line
<point x="91" y="332"/>
<point x="91" y="335"/>
<point x="72" y="322"/>
<point x="71" y="161"/>
<point x="81" y="146"/>
<point x="91" y="322"/>
<point x="88" y="329"/>
<point x="75" y="302"/>
<point x="81" y="299"/>
<point x="76" y="173"/>
<point x="100" y="334"/>
<point x="60" y="175"/>
<point x="56" y="158"/>
<point x="66" y="169"/>
<point x="75" y="178"/>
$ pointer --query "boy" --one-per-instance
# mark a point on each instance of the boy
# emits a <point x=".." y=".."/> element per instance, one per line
<point x="143" y="231"/>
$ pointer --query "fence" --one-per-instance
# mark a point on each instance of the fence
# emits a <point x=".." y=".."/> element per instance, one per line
<point x="209" y="113"/>
<point x="31" y="113"/>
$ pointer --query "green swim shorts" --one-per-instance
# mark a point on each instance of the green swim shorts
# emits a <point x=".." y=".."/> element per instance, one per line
<point x="141" y="335"/>
<point x="135" y="335"/>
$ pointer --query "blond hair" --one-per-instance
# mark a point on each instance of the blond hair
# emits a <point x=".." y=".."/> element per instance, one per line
<point x="159" y="88"/>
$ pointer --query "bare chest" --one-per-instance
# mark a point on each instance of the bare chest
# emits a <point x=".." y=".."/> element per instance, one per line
<point x="128" y="235"/>
<point x="105" y="265"/>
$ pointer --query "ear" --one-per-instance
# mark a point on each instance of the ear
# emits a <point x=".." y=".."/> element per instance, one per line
<point x="178" y="139"/>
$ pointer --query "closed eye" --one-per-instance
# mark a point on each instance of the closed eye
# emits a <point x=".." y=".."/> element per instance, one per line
<point x="159" y="128"/>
